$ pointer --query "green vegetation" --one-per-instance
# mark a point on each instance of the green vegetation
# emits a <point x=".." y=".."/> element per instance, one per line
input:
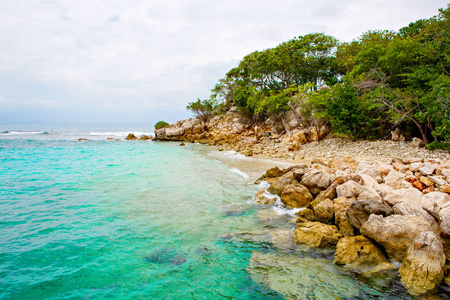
<point x="374" y="84"/>
<point x="161" y="124"/>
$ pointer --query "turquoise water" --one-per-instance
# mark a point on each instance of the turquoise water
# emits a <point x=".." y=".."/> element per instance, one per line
<point x="122" y="219"/>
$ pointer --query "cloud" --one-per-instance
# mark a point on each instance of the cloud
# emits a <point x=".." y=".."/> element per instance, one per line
<point x="115" y="55"/>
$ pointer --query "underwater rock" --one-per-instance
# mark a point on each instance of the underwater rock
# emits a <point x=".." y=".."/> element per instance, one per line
<point x="316" y="234"/>
<point x="169" y="256"/>
<point x="301" y="278"/>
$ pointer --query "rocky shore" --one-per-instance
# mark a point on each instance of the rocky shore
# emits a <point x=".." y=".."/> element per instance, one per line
<point x="375" y="215"/>
<point x="381" y="207"/>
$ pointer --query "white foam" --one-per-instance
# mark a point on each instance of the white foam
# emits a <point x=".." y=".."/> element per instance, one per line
<point x="263" y="185"/>
<point x="281" y="209"/>
<point x="24" y="132"/>
<point x="119" y="133"/>
<point x="239" y="172"/>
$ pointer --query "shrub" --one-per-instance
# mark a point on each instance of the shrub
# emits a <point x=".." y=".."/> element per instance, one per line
<point x="161" y="124"/>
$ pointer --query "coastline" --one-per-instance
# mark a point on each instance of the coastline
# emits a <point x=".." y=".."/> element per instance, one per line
<point x="388" y="196"/>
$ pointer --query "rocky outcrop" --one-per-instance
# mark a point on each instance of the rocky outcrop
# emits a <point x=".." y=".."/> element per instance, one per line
<point x="395" y="233"/>
<point x="423" y="268"/>
<point x="316" y="234"/>
<point x="131" y="137"/>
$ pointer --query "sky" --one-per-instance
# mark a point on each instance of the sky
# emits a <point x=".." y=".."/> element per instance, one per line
<point x="141" y="61"/>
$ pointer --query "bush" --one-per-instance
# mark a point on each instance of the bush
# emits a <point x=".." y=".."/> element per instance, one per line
<point x="161" y="124"/>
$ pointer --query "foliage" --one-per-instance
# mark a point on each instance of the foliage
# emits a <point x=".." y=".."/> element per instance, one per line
<point x="203" y="109"/>
<point x="161" y="124"/>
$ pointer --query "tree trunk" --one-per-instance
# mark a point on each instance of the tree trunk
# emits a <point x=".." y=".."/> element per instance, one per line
<point x="286" y="125"/>
<point x="297" y="117"/>
<point x="422" y="131"/>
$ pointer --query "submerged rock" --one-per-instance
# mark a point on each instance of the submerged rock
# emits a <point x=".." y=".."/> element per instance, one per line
<point x="423" y="268"/>
<point x="169" y="256"/>
<point x="301" y="278"/>
<point x="264" y="197"/>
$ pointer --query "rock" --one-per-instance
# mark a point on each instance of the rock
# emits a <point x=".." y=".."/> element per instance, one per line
<point x="397" y="135"/>
<point x="130" y="137"/>
<point x="427" y="169"/>
<point x="416" y="142"/>
<point x="247" y="152"/>
<point x="444" y="220"/>
<point x="144" y="137"/>
<point x="394" y="233"/>
<point x="402" y="195"/>
<point x="277" y="186"/>
<point x="292" y="277"/>
<point x="370" y="169"/>
<point x="264" y="197"/>
<point x="419" y="185"/>
<point x="317" y="180"/>
<point x="370" y="194"/>
<point x="358" y="254"/>
<point x="182" y="144"/>
<point x="323" y="210"/>
<point x="414" y="167"/>
<point x="360" y="210"/>
<point x="174" y="132"/>
<point x="329" y="193"/>
<point x="445" y="188"/>
<point x="83" y="139"/>
<point x="271" y="173"/>
<point x="438" y="180"/>
<point x="349" y="189"/>
<point x="423" y="268"/>
<point x="315" y="234"/>
<point x="427" y="181"/>
<point x="406" y="208"/>
<point x="394" y="179"/>
<point x="296" y="195"/>
<point x="341" y="205"/>
<point x="306" y="214"/>
<point x="433" y="202"/>
<point x="299" y="171"/>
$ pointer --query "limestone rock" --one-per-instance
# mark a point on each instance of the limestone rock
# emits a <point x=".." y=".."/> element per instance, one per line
<point x="130" y="137"/>
<point x="370" y="169"/>
<point x="360" y="210"/>
<point x="423" y="268"/>
<point x="395" y="233"/>
<point x="358" y="253"/>
<point x="317" y="180"/>
<point x="323" y="210"/>
<point x="285" y="180"/>
<point x="174" y="132"/>
<point x="349" y="189"/>
<point x="296" y="195"/>
<point x="315" y="234"/>
<point x="271" y="173"/>
<point x="264" y="197"/>
<point x="401" y="195"/>
<point x="394" y="179"/>
<point x="427" y="169"/>
<point x="144" y="137"/>
<point x="445" y="188"/>
<point x="444" y="218"/>
<point x="438" y="180"/>
<point x="341" y="205"/>
<point x="299" y="171"/>
<point x="406" y="208"/>
<point x="416" y="142"/>
<point x="427" y="181"/>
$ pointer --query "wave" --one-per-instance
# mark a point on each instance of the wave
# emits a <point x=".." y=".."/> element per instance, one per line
<point x="239" y="172"/>
<point x="13" y="132"/>
<point x="119" y="133"/>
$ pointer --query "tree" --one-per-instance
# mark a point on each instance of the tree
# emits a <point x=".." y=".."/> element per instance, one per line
<point x="203" y="109"/>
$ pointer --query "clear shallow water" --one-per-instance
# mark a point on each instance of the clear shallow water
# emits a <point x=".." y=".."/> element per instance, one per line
<point x="142" y="220"/>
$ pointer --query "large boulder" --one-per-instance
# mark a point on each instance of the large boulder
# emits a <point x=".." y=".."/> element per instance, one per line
<point x="423" y="268"/>
<point x="317" y="180"/>
<point x="315" y="234"/>
<point x="349" y="189"/>
<point x="341" y="205"/>
<point x="360" y="211"/>
<point x="370" y="169"/>
<point x="131" y="137"/>
<point x="444" y="219"/>
<point x="411" y="195"/>
<point x="296" y="195"/>
<point x="278" y="186"/>
<point x="358" y="253"/>
<point x="323" y="210"/>
<point x="406" y="208"/>
<point x="395" y="233"/>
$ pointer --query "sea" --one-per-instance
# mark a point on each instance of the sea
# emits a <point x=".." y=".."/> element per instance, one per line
<point x="114" y="219"/>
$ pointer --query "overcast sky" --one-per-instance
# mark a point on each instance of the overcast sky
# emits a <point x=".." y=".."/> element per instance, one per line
<point x="144" y="60"/>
